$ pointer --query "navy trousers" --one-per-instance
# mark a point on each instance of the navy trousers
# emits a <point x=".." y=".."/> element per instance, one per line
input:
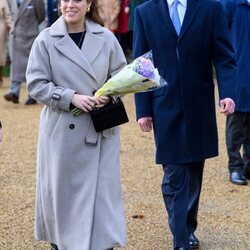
<point x="181" y="187"/>
<point x="237" y="136"/>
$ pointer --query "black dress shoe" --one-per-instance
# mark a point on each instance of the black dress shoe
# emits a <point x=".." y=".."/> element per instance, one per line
<point x="193" y="241"/>
<point x="247" y="175"/>
<point x="54" y="247"/>
<point x="237" y="178"/>
<point x="11" y="98"/>
<point x="30" y="101"/>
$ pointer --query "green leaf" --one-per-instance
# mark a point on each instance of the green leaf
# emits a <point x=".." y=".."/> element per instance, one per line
<point x="76" y="111"/>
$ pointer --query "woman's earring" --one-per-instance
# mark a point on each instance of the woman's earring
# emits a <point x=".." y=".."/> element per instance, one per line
<point x="88" y="9"/>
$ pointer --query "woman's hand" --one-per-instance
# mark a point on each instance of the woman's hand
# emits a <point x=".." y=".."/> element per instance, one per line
<point x="103" y="100"/>
<point x="85" y="102"/>
<point x="7" y="29"/>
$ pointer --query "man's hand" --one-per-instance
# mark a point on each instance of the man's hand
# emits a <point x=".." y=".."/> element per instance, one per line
<point x="145" y="124"/>
<point x="227" y="106"/>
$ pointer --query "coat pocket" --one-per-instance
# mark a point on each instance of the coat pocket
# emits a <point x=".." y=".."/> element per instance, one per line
<point x="52" y="121"/>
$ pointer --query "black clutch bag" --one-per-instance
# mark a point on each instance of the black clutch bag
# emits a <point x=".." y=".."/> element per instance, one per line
<point x="111" y="115"/>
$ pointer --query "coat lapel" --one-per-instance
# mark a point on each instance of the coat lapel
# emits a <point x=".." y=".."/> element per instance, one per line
<point x="13" y="10"/>
<point x="69" y="49"/>
<point x="92" y="45"/>
<point x="192" y="8"/>
<point x="161" y="10"/>
<point x="22" y="8"/>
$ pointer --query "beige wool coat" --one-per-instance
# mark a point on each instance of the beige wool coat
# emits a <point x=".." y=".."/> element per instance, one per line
<point x="79" y="203"/>
<point x="5" y="25"/>
<point x="109" y="11"/>
<point x="25" y="28"/>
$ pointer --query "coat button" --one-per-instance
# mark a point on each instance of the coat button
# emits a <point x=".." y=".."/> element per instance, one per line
<point x="71" y="126"/>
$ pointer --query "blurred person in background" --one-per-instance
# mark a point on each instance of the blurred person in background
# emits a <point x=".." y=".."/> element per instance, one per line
<point x="52" y="11"/>
<point x="5" y="25"/>
<point x="108" y="11"/>
<point x="1" y="131"/>
<point x="26" y="16"/>
<point x="132" y="5"/>
<point x="238" y="124"/>
<point x="122" y="32"/>
<point x="79" y="201"/>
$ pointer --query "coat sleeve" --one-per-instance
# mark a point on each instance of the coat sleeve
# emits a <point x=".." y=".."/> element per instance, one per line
<point x="140" y="46"/>
<point x="228" y="6"/>
<point x="223" y="55"/>
<point x="7" y="16"/>
<point x="117" y="59"/>
<point x="38" y="76"/>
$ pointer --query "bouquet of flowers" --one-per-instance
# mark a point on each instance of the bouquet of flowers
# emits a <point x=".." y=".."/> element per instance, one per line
<point x="138" y="76"/>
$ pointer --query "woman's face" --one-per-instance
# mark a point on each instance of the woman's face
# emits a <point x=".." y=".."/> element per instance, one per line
<point x="74" y="11"/>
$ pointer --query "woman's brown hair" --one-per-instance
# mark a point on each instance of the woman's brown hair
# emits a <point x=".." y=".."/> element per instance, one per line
<point x="93" y="13"/>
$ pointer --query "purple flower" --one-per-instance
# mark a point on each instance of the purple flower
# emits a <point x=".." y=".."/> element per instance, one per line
<point x="145" y="68"/>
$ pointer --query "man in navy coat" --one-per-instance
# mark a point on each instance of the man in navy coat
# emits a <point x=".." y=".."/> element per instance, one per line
<point x="182" y="114"/>
<point x="238" y="124"/>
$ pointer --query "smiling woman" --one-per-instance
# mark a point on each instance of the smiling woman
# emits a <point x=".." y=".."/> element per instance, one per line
<point x="75" y="12"/>
<point x="79" y="203"/>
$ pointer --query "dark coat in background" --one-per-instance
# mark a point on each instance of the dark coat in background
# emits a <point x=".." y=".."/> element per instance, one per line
<point x="52" y="11"/>
<point x="238" y="17"/>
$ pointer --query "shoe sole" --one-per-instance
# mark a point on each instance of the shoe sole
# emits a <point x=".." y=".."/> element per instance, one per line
<point x="11" y="99"/>
<point x="7" y="99"/>
<point x="194" y="247"/>
<point x="238" y="183"/>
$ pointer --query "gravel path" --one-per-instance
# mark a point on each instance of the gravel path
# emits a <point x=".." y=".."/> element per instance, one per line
<point x="224" y="215"/>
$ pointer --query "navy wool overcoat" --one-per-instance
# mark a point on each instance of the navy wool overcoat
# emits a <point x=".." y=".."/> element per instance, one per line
<point x="183" y="112"/>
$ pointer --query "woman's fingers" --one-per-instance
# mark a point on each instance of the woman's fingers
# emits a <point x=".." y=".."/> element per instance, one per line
<point x="103" y="99"/>
<point x="89" y="103"/>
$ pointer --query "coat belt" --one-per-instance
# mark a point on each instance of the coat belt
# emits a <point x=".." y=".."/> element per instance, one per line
<point x="92" y="135"/>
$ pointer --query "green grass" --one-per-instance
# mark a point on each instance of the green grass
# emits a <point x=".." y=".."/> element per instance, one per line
<point x="6" y="71"/>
